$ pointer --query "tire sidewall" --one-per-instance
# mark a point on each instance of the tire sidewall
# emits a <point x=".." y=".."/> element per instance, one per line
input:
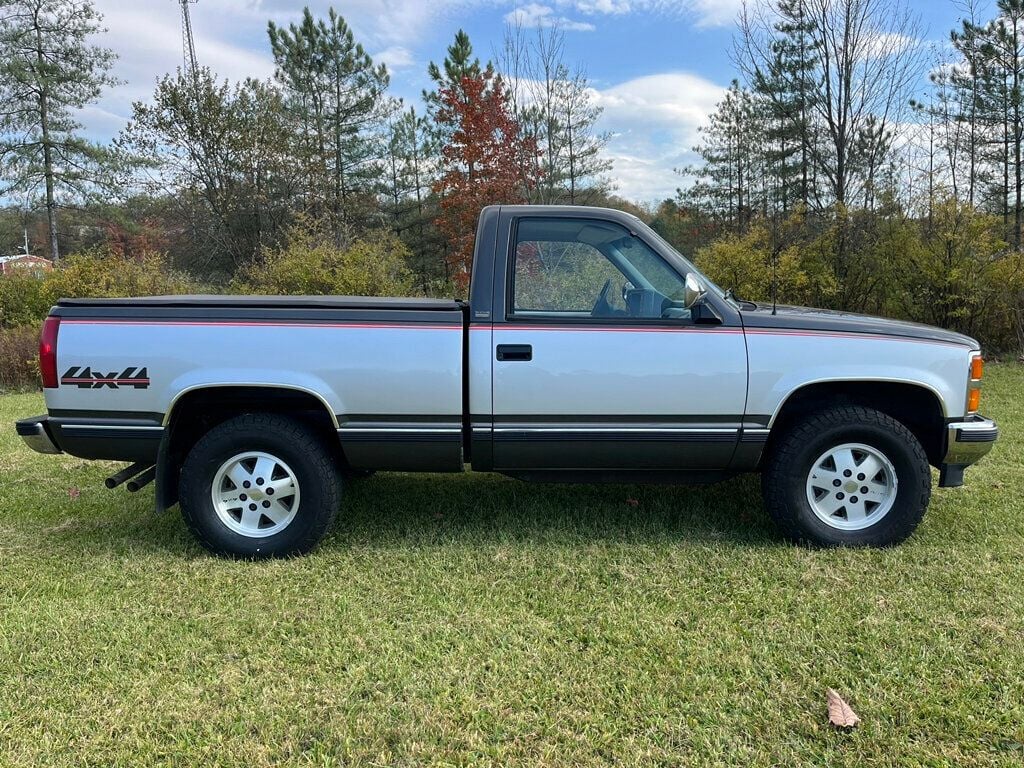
<point x="897" y="522"/>
<point x="315" y="505"/>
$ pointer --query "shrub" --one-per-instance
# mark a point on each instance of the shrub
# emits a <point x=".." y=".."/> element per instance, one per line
<point x="19" y="348"/>
<point x="372" y="265"/>
<point x="744" y="263"/>
<point x="21" y="300"/>
<point x="100" y="272"/>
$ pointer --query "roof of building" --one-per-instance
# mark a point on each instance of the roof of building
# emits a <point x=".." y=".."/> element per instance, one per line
<point x="18" y="256"/>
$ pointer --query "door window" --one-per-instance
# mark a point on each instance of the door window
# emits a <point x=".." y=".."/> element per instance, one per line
<point x="580" y="269"/>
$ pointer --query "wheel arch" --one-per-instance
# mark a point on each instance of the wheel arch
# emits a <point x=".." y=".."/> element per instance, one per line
<point x="916" y="405"/>
<point x="197" y="409"/>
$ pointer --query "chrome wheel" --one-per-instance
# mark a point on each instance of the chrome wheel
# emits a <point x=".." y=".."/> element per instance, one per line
<point x="851" y="486"/>
<point x="255" y="494"/>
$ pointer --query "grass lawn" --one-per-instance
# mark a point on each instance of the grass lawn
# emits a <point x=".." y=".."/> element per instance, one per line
<point x="458" y="620"/>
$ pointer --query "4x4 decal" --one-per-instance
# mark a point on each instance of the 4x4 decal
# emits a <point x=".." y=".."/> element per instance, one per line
<point x="87" y="378"/>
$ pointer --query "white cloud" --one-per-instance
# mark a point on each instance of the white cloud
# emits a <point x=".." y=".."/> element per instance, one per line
<point x="395" y="57"/>
<point x="653" y="121"/>
<point x="715" y="13"/>
<point x="149" y="45"/>
<point x="707" y="13"/>
<point x="885" y="44"/>
<point x="537" y="15"/>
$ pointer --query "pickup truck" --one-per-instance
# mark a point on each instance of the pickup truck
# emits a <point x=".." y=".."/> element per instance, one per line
<point x="589" y="350"/>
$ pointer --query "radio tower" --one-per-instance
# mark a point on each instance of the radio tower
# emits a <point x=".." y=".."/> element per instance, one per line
<point x="187" y="43"/>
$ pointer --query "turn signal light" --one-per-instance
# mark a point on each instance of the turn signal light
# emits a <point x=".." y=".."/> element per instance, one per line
<point x="973" y="398"/>
<point x="977" y="367"/>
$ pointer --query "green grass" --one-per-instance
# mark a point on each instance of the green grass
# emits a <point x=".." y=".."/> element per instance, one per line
<point x="476" y="620"/>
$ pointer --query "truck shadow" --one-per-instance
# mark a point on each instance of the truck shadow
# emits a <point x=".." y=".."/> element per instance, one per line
<point x="408" y="510"/>
<point x="389" y="508"/>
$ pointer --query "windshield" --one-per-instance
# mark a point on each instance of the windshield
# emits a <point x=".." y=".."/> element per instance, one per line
<point x="687" y="265"/>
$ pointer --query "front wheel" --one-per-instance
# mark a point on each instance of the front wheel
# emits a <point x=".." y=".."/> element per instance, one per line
<point x="848" y="476"/>
<point x="258" y="486"/>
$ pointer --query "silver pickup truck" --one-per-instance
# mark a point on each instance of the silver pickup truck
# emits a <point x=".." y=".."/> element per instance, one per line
<point x="589" y="350"/>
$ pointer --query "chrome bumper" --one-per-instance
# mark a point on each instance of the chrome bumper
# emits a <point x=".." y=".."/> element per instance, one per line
<point x="35" y="434"/>
<point x="969" y="440"/>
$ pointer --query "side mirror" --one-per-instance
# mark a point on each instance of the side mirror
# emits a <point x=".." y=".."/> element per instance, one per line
<point x="693" y="291"/>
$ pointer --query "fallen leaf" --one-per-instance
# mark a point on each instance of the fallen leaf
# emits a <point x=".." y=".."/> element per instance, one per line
<point x="633" y="502"/>
<point x="73" y="492"/>
<point x="839" y="712"/>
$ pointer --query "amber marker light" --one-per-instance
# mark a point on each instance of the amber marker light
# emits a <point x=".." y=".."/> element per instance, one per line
<point x="973" y="398"/>
<point x="977" y="367"/>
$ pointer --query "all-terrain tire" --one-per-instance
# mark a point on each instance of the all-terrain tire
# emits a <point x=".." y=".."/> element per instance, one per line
<point x="301" y="456"/>
<point x="794" y="455"/>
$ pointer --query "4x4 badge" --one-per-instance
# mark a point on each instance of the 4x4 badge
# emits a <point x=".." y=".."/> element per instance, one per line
<point x="87" y="378"/>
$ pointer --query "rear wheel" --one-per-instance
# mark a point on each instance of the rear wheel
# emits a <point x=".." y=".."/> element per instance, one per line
<point x="258" y="486"/>
<point x="848" y="476"/>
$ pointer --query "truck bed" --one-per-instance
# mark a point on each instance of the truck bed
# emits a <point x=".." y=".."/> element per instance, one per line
<point x="387" y="372"/>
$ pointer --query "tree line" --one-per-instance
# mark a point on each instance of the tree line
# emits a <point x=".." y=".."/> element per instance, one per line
<point x="218" y="174"/>
<point x="849" y="164"/>
<point x="829" y="174"/>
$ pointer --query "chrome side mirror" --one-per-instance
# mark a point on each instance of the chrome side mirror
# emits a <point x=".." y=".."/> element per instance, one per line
<point x="693" y="291"/>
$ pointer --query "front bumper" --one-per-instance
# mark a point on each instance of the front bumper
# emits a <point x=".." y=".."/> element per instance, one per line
<point x="966" y="442"/>
<point x="36" y="434"/>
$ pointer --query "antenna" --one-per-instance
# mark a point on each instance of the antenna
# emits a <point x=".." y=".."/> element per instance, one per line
<point x="188" y="45"/>
<point x="775" y="279"/>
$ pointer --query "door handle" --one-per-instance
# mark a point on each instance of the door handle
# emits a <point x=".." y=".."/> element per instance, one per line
<point x="512" y="352"/>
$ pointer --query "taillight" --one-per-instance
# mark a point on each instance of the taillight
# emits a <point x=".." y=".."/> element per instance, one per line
<point x="48" y="352"/>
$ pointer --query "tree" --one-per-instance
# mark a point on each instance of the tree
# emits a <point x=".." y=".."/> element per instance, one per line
<point x="335" y="98"/>
<point x="480" y="164"/>
<point x="458" y="63"/>
<point x="222" y="151"/>
<point x="555" y="105"/>
<point x="729" y="182"/>
<point x="785" y="79"/>
<point x="48" y="70"/>
<point x="410" y="206"/>
<point x="865" y="59"/>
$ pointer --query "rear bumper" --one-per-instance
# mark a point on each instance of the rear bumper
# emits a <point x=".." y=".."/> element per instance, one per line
<point x="36" y="434"/>
<point x="115" y="439"/>
<point x="966" y="442"/>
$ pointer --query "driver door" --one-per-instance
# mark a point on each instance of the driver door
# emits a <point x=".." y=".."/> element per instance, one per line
<point x="598" y="365"/>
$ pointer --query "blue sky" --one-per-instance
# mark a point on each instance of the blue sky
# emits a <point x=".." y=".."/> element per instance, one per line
<point x="658" y="66"/>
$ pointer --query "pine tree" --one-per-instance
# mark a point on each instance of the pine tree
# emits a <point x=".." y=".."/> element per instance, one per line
<point x="730" y="183"/>
<point x="48" y="71"/>
<point x="786" y="80"/>
<point x="335" y="95"/>
<point x="458" y="64"/>
<point x="410" y="207"/>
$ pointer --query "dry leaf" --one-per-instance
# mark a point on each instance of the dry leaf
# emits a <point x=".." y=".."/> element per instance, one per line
<point x="74" y="493"/>
<point x="633" y="502"/>
<point x="839" y="712"/>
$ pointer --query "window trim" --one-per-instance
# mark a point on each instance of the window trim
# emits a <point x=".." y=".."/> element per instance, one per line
<point x="510" y="315"/>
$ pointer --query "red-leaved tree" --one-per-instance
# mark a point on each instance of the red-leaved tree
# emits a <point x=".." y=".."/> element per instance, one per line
<point x="482" y="163"/>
